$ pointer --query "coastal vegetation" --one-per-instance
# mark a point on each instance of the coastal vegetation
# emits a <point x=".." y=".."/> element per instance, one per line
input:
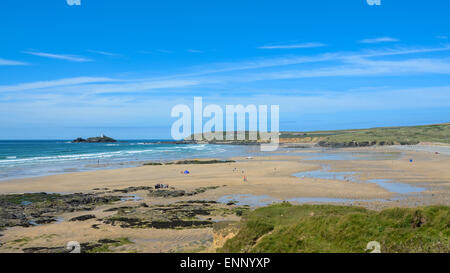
<point x="285" y="228"/>
<point x="403" y="135"/>
<point x="408" y="135"/>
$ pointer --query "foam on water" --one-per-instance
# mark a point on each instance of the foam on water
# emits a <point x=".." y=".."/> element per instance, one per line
<point x="35" y="158"/>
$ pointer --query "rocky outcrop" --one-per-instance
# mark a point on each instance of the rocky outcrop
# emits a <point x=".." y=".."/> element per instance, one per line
<point x="32" y="209"/>
<point x="172" y="193"/>
<point x="100" y="139"/>
<point x="82" y="218"/>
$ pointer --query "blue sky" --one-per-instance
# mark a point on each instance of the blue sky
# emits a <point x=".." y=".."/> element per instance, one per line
<point x="118" y="67"/>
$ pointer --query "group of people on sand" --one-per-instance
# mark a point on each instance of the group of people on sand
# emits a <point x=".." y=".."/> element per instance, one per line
<point x="235" y="170"/>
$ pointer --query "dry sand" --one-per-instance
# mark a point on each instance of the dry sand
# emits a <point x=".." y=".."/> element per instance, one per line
<point x="271" y="176"/>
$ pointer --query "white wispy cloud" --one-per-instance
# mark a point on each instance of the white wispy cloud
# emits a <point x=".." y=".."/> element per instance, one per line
<point x="53" y="83"/>
<point x="292" y="46"/>
<point x="442" y="37"/>
<point x="194" y="51"/>
<point x="92" y="85"/>
<point x="72" y="58"/>
<point x="137" y="86"/>
<point x="326" y="57"/>
<point x="379" y="40"/>
<point x="356" y="68"/>
<point x="11" y="62"/>
<point x="164" y="51"/>
<point x="147" y="52"/>
<point x="338" y="64"/>
<point x="79" y="110"/>
<point x="105" y="53"/>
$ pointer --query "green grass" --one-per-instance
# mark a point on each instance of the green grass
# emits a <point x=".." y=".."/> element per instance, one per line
<point x="406" y="135"/>
<point x="284" y="228"/>
<point x="397" y="135"/>
<point x="409" y="135"/>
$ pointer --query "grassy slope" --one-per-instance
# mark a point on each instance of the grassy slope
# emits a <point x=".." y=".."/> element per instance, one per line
<point x="388" y="135"/>
<point x="325" y="228"/>
<point x="382" y="135"/>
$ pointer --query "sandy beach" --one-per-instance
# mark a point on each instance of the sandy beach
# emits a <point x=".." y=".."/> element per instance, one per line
<point x="290" y="175"/>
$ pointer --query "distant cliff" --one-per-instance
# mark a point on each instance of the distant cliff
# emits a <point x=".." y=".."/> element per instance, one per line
<point x="101" y="139"/>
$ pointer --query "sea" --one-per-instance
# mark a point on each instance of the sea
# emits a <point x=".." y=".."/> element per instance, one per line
<point x="31" y="158"/>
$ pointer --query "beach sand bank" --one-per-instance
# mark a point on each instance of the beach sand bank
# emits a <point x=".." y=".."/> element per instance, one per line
<point x="261" y="180"/>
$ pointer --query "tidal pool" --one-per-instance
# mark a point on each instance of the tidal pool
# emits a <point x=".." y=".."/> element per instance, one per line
<point x="395" y="187"/>
<point x="325" y="173"/>
<point x="132" y="197"/>
<point x="336" y="155"/>
<point x="265" y="200"/>
<point x="248" y="200"/>
<point x="392" y="186"/>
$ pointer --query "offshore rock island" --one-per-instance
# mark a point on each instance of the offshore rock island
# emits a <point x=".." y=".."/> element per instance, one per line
<point x="100" y="139"/>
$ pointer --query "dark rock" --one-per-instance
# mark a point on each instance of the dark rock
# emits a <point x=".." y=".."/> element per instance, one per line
<point x="153" y="164"/>
<point x="125" y="222"/>
<point x="186" y="162"/>
<point x="107" y="241"/>
<point x="166" y="193"/>
<point x="82" y="218"/>
<point x="101" y="139"/>
<point x="161" y="186"/>
<point x="133" y="189"/>
<point x="46" y="250"/>
<point x="119" y="208"/>
<point x="40" y="208"/>
<point x="45" y="220"/>
<point x="177" y="193"/>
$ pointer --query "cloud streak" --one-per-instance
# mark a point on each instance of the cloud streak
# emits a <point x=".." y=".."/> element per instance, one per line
<point x="71" y="58"/>
<point x="11" y="62"/>
<point x="104" y="53"/>
<point x="53" y="83"/>
<point x="292" y="46"/>
<point x="379" y="40"/>
<point x="222" y="76"/>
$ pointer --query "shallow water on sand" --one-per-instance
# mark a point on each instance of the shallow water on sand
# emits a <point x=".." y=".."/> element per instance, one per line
<point x="264" y="200"/>
<point x="248" y="200"/>
<point x="387" y="184"/>
<point x="339" y="154"/>
<point x="325" y="173"/>
<point x="400" y="188"/>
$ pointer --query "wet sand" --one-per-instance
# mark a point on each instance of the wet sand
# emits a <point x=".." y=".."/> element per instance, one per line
<point x="269" y="177"/>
